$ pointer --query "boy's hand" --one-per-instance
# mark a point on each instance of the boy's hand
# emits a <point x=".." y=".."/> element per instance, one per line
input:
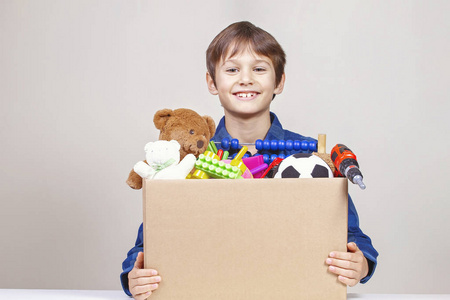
<point x="142" y="282"/>
<point x="350" y="266"/>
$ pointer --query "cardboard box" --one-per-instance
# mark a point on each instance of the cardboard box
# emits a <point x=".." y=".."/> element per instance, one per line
<point x="245" y="239"/>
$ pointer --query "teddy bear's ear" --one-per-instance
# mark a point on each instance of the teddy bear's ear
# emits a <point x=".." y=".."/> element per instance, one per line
<point x="175" y="142"/>
<point x="161" y="117"/>
<point x="211" y="125"/>
<point x="148" y="146"/>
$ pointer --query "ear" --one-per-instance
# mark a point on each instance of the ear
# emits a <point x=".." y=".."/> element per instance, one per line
<point x="161" y="117"/>
<point x="148" y="146"/>
<point x="280" y="86"/>
<point x="211" y="85"/>
<point x="175" y="142"/>
<point x="211" y="125"/>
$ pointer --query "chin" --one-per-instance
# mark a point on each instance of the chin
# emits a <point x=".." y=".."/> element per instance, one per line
<point x="248" y="112"/>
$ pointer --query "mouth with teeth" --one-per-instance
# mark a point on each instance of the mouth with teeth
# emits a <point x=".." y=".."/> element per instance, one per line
<point x="246" y="95"/>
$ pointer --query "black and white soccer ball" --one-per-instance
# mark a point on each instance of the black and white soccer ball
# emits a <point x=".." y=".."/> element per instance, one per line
<point x="303" y="165"/>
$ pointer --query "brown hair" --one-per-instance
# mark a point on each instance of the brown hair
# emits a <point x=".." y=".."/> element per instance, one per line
<point x="245" y="34"/>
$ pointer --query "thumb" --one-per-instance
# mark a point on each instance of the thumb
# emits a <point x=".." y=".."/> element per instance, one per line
<point x="352" y="247"/>
<point x="139" y="264"/>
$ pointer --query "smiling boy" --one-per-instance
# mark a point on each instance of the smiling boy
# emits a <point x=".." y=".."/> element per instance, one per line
<point x="246" y="70"/>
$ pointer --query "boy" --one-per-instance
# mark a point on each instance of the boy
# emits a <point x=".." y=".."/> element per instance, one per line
<point x="246" y="70"/>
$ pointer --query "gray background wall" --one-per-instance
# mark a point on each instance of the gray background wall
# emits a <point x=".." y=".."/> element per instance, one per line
<point x="81" y="80"/>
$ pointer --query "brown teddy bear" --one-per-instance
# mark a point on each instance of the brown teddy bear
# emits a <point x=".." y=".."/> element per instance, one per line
<point x="191" y="130"/>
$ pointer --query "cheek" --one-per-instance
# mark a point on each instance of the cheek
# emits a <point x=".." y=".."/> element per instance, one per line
<point x="223" y="84"/>
<point x="269" y="83"/>
<point x="174" y="154"/>
<point x="176" y="133"/>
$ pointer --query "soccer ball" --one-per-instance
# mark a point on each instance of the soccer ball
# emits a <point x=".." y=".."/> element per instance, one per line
<point x="303" y="165"/>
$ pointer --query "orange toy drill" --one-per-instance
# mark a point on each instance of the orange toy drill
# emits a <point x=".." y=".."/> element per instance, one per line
<point x="346" y="165"/>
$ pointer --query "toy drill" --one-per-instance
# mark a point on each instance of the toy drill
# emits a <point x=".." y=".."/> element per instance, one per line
<point x="346" y="165"/>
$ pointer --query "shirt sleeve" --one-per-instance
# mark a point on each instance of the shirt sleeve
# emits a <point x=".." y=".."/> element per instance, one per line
<point x="128" y="263"/>
<point x="363" y="242"/>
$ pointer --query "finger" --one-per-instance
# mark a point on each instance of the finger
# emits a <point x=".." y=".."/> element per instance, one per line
<point x="344" y="264"/>
<point x="146" y="280"/>
<point x="351" y="274"/>
<point x="144" y="289"/>
<point x="347" y="281"/>
<point x="345" y="256"/>
<point x="139" y="264"/>
<point x="137" y="273"/>
<point x="352" y="247"/>
<point x="142" y="296"/>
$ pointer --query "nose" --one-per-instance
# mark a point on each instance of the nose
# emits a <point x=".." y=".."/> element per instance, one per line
<point x="246" y="77"/>
<point x="200" y="144"/>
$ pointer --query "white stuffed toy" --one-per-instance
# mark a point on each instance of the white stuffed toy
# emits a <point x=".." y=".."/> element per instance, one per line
<point x="163" y="161"/>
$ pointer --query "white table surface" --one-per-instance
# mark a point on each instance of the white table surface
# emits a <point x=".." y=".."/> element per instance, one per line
<point x="13" y="294"/>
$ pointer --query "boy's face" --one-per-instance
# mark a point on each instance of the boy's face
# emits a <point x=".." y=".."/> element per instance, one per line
<point x="245" y="84"/>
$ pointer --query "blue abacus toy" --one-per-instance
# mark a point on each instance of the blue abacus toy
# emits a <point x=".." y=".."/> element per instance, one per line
<point x="271" y="149"/>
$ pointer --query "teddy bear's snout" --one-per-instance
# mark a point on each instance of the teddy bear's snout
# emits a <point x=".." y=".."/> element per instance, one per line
<point x="195" y="147"/>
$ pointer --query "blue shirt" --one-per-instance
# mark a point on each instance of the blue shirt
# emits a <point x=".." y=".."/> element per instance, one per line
<point x="276" y="132"/>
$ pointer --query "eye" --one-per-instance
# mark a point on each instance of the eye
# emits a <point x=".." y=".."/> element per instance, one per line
<point x="232" y="70"/>
<point x="259" y="69"/>
<point x="192" y="131"/>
